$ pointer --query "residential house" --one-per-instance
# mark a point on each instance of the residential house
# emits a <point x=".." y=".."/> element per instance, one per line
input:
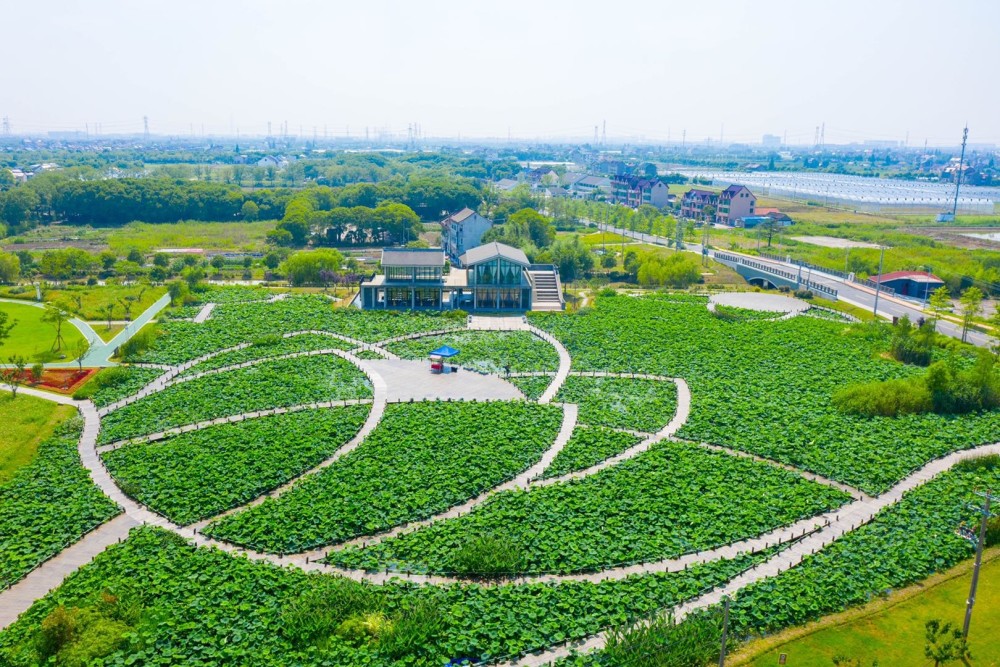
<point x="276" y="161"/>
<point x="462" y="231"/>
<point x="735" y="203"/>
<point x="694" y="201"/>
<point x="590" y="187"/>
<point x="635" y="191"/>
<point x="556" y="192"/>
<point x="611" y="168"/>
<point x="506" y="184"/>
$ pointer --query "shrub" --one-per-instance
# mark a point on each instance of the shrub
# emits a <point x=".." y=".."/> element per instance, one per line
<point x="107" y="377"/>
<point x="664" y="643"/>
<point x="364" y="628"/>
<point x="804" y="293"/>
<point x="488" y="556"/>
<point x="412" y="630"/>
<point x="884" y="399"/>
<point x="138" y="344"/>
<point x="319" y="612"/>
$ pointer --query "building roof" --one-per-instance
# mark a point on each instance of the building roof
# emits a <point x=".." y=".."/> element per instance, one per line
<point x="413" y="257"/>
<point x="915" y="276"/>
<point x="489" y="251"/>
<point x="766" y="210"/>
<point x="595" y="181"/>
<point x="460" y="216"/>
<point x="733" y="190"/>
<point x="695" y="192"/>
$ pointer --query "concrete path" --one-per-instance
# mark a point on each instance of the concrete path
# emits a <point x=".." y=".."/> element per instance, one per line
<point x="680" y="417"/>
<point x="521" y="481"/>
<point x="413" y="380"/>
<point x="244" y="416"/>
<point x="47" y="395"/>
<point x="161" y="382"/>
<point x="848" y="518"/>
<point x="565" y="363"/>
<point x="770" y="303"/>
<point x="50" y="574"/>
<point x="488" y="323"/>
<point x="204" y="313"/>
<point x="100" y="355"/>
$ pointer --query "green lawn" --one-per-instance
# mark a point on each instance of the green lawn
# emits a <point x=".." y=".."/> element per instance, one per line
<point x="93" y="299"/>
<point x="102" y="329"/>
<point x="27" y="421"/>
<point x="34" y="338"/>
<point x="145" y="237"/>
<point x="892" y="631"/>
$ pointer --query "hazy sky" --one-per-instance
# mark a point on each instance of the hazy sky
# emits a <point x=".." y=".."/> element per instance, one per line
<point x="868" y="69"/>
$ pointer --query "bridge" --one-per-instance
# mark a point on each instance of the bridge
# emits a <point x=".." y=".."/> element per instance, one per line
<point x="768" y="275"/>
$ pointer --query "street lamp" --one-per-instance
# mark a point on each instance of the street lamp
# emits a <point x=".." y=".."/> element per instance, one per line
<point x="878" y="284"/>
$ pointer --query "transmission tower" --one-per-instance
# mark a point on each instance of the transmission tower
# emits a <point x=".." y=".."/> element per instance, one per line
<point x="6" y="126"/>
<point x="145" y="128"/>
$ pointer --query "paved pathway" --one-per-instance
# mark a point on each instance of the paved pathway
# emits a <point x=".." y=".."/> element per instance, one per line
<point x="843" y="521"/>
<point x="243" y="416"/>
<point x="805" y="536"/>
<point x="413" y="380"/>
<point x="50" y="574"/>
<point x="771" y="303"/>
<point x="204" y="313"/>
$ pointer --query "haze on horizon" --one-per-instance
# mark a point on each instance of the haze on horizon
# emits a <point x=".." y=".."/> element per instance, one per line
<point x="715" y="69"/>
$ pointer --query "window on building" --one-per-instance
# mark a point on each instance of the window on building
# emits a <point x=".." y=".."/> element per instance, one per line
<point x="428" y="297"/>
<point x="397" y="297"/>
<point x="486" y="273"/>
<point x="398" y="273"/>
<point x="428" y="272"/>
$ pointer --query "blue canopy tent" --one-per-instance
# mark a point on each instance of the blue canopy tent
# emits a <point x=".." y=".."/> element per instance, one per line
<point x="437" y="357"/>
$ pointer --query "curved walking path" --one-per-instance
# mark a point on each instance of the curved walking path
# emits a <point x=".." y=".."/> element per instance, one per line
<point x="680" y="417"/>
<point x="50" y="574"/>
<point x="804" y="537"/>
<point x="521" y="481"/>
<point x="565" y="362"/>
<point x="161" y="382"/>
<point x="843" y="521"/>
<point x="233" y="419"/>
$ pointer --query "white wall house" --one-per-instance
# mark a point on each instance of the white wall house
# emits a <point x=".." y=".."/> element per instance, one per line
<point x="461" y="232"/>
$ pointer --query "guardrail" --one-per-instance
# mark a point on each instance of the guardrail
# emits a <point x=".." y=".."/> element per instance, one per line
<point x="790" y="276"/>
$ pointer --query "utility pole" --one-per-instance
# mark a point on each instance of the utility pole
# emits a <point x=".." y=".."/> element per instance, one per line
<point x="725" y="630"/>
<point x="958" y="178"/>
<point x="979" y="541"/>
<point x="878" y="284"/>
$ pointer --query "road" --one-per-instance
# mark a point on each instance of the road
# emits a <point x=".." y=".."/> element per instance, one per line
<point x="853" y="293"/>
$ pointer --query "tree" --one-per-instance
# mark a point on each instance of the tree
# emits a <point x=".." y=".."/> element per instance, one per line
<point x="177" y="290"/>
<point x="161" y="259"/>
<point x="572" y="257"/>
<point x="279" y="237"/>
<point x="135" y="256"/>
<point x="940" y="301"/>
<point x="192" y="276"/>
<point x="83" y="348"/>
<point x="944" y="643"/>
<point x="971" y="303"/>
<point x="56" y="315"/>
<point x="5" y="327"/>
<point x="305" y="267"/>
<point x="218" y="262"/>
<point x="768" y="229"/>
<point x="249" y="211"/>
<point x="18" y="205"/>
<point x="708" y="214"/>
<point x="10" y="267"/>
<point x="109" y="311"/>
<point x="12" y="374"/>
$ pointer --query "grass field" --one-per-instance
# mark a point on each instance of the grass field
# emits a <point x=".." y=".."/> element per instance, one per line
<point x="27" y="421"/>
<point x="102" y="329"/>
<point x="93" y="299"/>
<point x="145" y="237"/>
<point x="34" y="338"/>
<point x="892" y="631"/>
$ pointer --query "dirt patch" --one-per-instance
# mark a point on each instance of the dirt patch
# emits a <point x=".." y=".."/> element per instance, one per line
<point x="956" y="236"/>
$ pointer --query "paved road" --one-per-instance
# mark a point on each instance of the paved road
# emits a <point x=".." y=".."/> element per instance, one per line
<point x="853" y="293"/>
<point x="100" y="354"/>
